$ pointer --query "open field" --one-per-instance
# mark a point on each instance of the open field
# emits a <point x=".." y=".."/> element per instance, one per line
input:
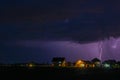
<point x="58" y="73"/>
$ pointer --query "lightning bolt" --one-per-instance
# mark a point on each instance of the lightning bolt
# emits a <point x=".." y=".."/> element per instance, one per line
<point x="100" y="47"/>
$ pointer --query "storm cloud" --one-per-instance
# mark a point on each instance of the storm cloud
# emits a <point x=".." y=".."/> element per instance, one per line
<point x="39" y="30"/>
<point x="79" y="20"/>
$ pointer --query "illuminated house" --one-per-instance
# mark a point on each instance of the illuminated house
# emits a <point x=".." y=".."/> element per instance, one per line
<point x="96" y="62"/>
<point x="84" y="64"/>
<point x="80" y="63"/>
<point x="59" y="61"/>
<point x="89" y="64"/>
<point x="31" y="64"/>
<point x="110" y="64"/>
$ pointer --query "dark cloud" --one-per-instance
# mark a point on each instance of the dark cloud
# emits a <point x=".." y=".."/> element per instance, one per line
<point x="32" y="22"/>
<point x="46" y="20"/>
<point x="47" y="10"/>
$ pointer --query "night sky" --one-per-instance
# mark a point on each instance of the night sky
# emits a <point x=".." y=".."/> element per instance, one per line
<point x="32" y="30"/>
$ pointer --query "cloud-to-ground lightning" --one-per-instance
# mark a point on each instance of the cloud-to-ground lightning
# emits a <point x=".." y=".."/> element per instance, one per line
<point x="100" y="47"/>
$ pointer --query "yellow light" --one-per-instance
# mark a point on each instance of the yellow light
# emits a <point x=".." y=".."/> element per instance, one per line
<point x="80" y="63"/>
<point x="93" y="65"/>
<point x="30" y="65"/>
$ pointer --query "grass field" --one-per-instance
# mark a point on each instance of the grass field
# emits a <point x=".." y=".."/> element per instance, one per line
<point x="58" y="73"/>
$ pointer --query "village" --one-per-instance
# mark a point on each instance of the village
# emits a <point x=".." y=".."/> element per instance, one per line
<point x="62" y="62"/>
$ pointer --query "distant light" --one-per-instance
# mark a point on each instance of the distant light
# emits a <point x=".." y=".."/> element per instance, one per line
<point x="30" y="65"/>
<point x="107" y="65"/>
<point x="59" y="62"/>
<point x="82" y="65"/>
<point x="79" y="61"/>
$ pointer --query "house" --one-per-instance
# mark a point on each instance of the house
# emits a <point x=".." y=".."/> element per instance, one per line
<point x="84" y="64"/>
<point x="89" y="64"/>
<point x="110" y="64"/>
<point x="59" y="61"/>
<point x="80" y="63"/>
<point x="96" y="62"/>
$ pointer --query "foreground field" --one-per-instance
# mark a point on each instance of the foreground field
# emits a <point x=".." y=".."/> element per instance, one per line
<point x="58" y="73"/>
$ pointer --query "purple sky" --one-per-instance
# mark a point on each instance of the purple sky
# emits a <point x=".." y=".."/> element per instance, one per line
<point x="69" y="49"/>
<point x="72" y="51"/>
